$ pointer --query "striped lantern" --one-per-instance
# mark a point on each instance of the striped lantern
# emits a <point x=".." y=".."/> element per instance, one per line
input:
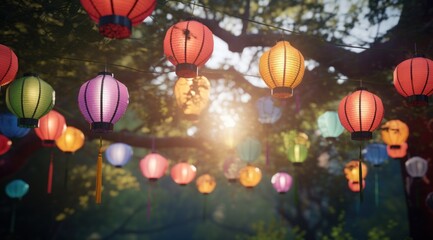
<point x="8" y="65"/>
<point x="416" y="167"/>
<point x="282" y="182"/>
<point x="153" y="166"/>
<point x="51" y="127"/>
<point x="183" y="173"/>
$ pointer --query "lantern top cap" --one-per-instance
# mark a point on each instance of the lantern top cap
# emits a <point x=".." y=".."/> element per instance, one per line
<point x="106" y="73"/>
<point x="361" y="88"/>
<point x="30" y="74"/>
<point x="419" y="55"/>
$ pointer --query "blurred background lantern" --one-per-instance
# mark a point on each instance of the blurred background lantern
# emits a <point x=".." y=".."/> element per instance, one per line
<point x="8" y="65"/>
<point x="329" y="125"/>
<point x="282" y="69"/>
<point x="360" y="113"/>
<point x="115" y="18"/>
<point x="429" y="201"/>
<point x="282" y="182"/>
<point x="394" y="133"/>
<point x="51" y="127"/>
<point x="29" y="98"/>
<point x="188" y="45"/>
<point x="416" y="167"/>
<point x="351" y="171"/>
<point x="205" y="184"/>
<point x="397" y="152"/>
<point x="153" y="166"/>
<point x="231" y="166"/>
<point x="296" y="146"/>
<point x="376" y="154"/>
<point x="16" y="189"/>
<point x="354" y="186"/>
<point x="192" y="96"/>
<point x="183" y="173"/>
<point x="119" y="154"/>
<point x="5" y="144"/>
<point x="249" y="149"/>
<point x="9" y="126"/>
<point x="268" y="112"/>
<point x="250" y="176"/>
<point x="413" y="80"/>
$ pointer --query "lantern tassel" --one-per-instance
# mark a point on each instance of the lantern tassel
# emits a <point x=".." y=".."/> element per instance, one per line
<point x="50" y="173"/>
<point x="99" y="175"/>
<point x="360" y="175"/>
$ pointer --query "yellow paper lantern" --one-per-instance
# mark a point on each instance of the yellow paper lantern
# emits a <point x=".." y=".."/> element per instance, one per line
<point x="206" y="184"/>
<point x="282" y="68"/>
<point x="351" y="170"/>
<point x="192" y="95"/>
<point x="394" y="133"/>
<point x="250" y="176"/>
<point x="71" y="140"/>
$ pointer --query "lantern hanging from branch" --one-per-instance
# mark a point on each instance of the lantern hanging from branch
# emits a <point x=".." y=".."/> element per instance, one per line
<point x="399" y="152"/>
<point x="231" y="166"/>
<point x="329" y="125"/>
<point x="29" y="98"/>
<point x="416" y="167"/>
<point x="51" y="127"/>
<point x="268" y="112"/>
<point x="188" y="45"/>
<point x="282" y="182"/>
<point x="394" y="133"/>
<point x="8" y="65"/>
<point x="115" y="18"/>
<point x="413" y="79"/>
<point x="354" y="186"/>
<point x="192" y="96"/>
<point x="5" y="144"/>
<point x="351" y="171"/>
<point x="183" y="173"/>
<point x="119" y="154"/>
<point x="249" y="149"/>
<point x="376" y="154"/>
<point x="153" y="166"/>
<point x="9" y="126"/>
<point x="206" y="184"/>
<point x="250" y="176"/>
<point x="282" y="68"/>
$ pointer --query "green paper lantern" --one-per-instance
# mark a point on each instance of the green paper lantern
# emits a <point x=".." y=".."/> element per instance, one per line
<point x="297" y="153"/>
<point x="329" y="125"/>
<point x="29" y="98"/>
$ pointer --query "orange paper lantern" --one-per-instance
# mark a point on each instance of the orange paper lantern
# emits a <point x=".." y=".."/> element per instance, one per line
<point x="351" y="170"/>
<point x="250" y="176"/>
<point x="192" y="96"/>
<point x="397" y="152"/>
<point x="206" y="184"/>
<point x="394" y="133"/>
<point x="71" y="140"/>
<point x="51" y="127"/>
<point x="354" y="186"/>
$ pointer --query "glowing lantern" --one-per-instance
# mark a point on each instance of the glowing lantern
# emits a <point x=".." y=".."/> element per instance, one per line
<point x="329" y="125"/>
<point x="361" y="113"/>
<point x="268" y="112"/>
<point x="250" y="176"/>
<point x="192" y="96"/>
<point x="29" y="98"/>
<point x="71" y="140"/>
<point x="351" y="170"/>
<point x="183" y="173"/>
<point x="416" y="167"/>
<point x="8" y="65"/>
<point x="115" y="18"/>
<point x="5" y="144"/>
<point x="354" y="186"/>
<point x="397" y="152"/>
<point x="153" y="166"/>
<point x="296" y="146"/>
<point x="282" y="68"/>
<point x="188" y="45"/>
<point x="232" y="165"/>
<point x="51" y="127"/>
<point x="9" y="126"/>
<point x="413" y="80"/>
<point x="118" y="154"/>
<point x="282" y="182"/>
<point x="17" y="189"/>
<point x="206" y="184"/>
<point x="376" y="154"/>
<point x="249" y="149"/>
<point x="394" y="133"/>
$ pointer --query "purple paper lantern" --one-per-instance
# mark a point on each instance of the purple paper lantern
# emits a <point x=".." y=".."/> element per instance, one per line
<point x="103" y="101"/>
<point x="282" y="182"/>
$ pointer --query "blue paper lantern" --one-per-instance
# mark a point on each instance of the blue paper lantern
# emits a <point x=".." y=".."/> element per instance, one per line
<point x="17" y="189"/>
<point x="9" y="126"/>
<point x="118" y="154"/>
<point x="376" y="154"/>
<point x="249" y="149"/>
<point x="268" y="112"/>
<point x="329" y="125"/>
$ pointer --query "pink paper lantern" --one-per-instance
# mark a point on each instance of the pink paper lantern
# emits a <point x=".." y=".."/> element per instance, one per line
<point x="153" y="166"/>
<point x="183" y="173"/>
<point x="282" y="182"/>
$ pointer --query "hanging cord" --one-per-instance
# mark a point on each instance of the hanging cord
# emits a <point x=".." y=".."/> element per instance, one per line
<point x="13" y="216"/>
<point x="99" y="174"/>
<point x="295" y="187"/>
<point x="50" y="173"/>
<point x="360" y="174"/>
<point x="149" y="201"/>
<point x="153" y="144"/>
<point x="204" y="207"/>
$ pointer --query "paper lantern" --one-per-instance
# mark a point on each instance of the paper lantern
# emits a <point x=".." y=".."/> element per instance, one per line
<point x="329" y="125"/>
<point x="29" y="98"/>
<point x="268" y="112"/>
<point x="351" y="170"/>
<point x="231" y="166"/>
<point x="51" y="127"/>
<point x="397" y="152"/>
<point x="115" y="18"/>
<point x="376" y="154"/>
<point x="413" y="79"/>
<point x="9" y="126"/>
<point x="5" y="144"/>
<point x="282" y="182"/>
<point x="297" y="153"/>
<point x="188" y="45"/>
<point x="192" y="96"/>
<point x="17" y="189"/>
<point x="394" y="133"/>
<point x="296" y="145"/>
<point x="153" y="166"/>
<point x="250" y="176"/>
<point x="118" y="154"/>
<point x="354" y="186"/>
<point x="103" y="101"/>
<point x="71" y="140"/>
<point x="8" y="65"/>
<point x="249" y="149"/>
<point x="416" y="167"/>
<point x="282" y="68"/>
<point x="206" y="184"/>
<point x="183" y="173"/>
<point x="361" y="113"/>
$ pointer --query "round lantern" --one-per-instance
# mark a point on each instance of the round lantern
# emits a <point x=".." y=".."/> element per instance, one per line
<point x="71" y="140"/>
<point x="8" y="65"/>
<point x="394" y="133"/>
<point x="249" y="149"/>
<point x="282" y="69"/>
<point x="416" y="167"/>
<point x="153" y="166"/>
<point x="268" y="112"/>
<point x="361" y="113"/>
<point x="103" y="101"/>
<point x="231" y="166"/>
<point x="354" y="186"/>
<point x="205" y="184"/>
<point x="9" y="126"/>
<point x="329" y="125"/>
<point x="51" y="127"/>
<point x="118" y="154"/>
<point x="397" y="152"/>
<point x="17" y="189"/>
<point x="192" y="96"/>
<point x="297" y="153"/>
<point x="413" y="79"/>
<point x="250" y="176"/>
<point x="188" y="45"/>
<point x="351" y="170"/>
<point x="5" y="144"/>
<point x="115" y="18"/>
<point x="183" y="173"/>
<point x="282" y="182"/>
<point x="29" y="98"/>
<point x="429" y="201"/>
<point x="376" y="154"/>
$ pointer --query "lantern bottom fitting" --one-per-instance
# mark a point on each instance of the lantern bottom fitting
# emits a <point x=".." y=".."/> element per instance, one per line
<point x="281" y="193"/>
<point x="395" y="146"/>
<point x="118" y="166"/>
<point x="186" y="70"/>
<point x="282" y="92"/>
<point x="28" y="122"/>
<point x="115" y="26"/>
<point x="297" y="164"/>
<point x="48" y="143"/>
<point x="362" y="135"/>
<point x="101" y="127"/>
<point x="418" y="100"/>
<point x="153" y="179"/>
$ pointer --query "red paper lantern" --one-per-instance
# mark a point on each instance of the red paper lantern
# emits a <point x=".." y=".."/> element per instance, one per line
<point x="5" y="144"/>
<point x="116" y="17"/>
<point x="51" y="127"/>
<point x="188" y="45"/>
<point x="361" y="113"/>
<point x="354" y="186"/>
<point x="183" y="173"/>
<point x="8" y="65"/>
<point x="413" y="79"/>
<point x="153" y="166"/>
<point x="397" y="152"/>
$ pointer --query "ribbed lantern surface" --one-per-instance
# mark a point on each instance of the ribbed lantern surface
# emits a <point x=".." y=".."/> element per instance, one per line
<point x="71" y="140"/>
<point x="8" y="65"/>
<point x="51" y="127"/>
<point x="153" y="166"/>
